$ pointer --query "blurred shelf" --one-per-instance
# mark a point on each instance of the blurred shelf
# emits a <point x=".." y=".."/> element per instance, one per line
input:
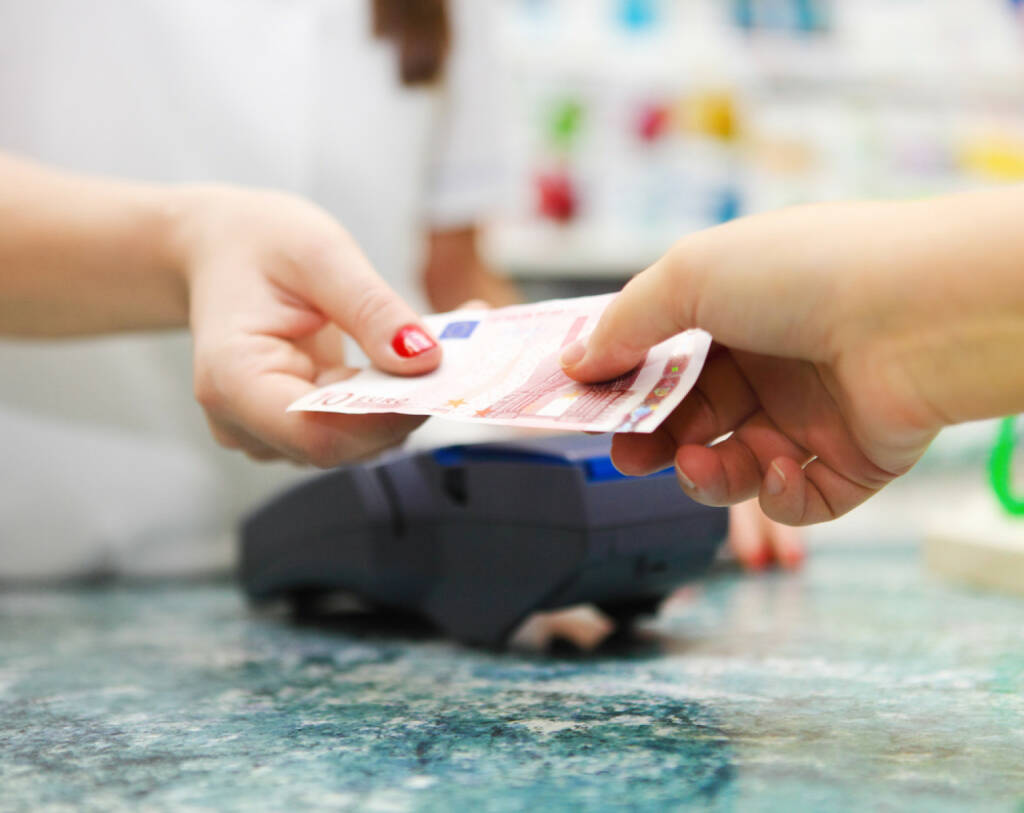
<point x="919" y="68"/>
<point x="538" y="251"/>
<point x="886" y="98"/>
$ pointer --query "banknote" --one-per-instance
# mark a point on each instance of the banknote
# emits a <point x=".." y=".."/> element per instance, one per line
<point x="501" y="367"/>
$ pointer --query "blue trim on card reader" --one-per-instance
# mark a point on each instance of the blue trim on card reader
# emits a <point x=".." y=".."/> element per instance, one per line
<point x="597" y="469"/>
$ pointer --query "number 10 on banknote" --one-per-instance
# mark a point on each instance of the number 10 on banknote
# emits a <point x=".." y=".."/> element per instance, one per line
<point x="501" y="367"/>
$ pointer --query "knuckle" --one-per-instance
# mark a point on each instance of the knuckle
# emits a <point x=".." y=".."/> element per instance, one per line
<point x="714" y="426"/>
<point x="219" y="373"/>
<point x="320" y="449"/>
<point x="207" y="393"/>
<point x="371" y="307"/>
<point x="318" y="255"/>
<point x="396" y="428"/>
<point x="222" y="434"/>
<point x="328" y="447"/>
<point x="226" y="439"/>
<point x="324" y="249"/>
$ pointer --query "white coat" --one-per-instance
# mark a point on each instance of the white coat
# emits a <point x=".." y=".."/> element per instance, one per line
<point x="107" y="464"/>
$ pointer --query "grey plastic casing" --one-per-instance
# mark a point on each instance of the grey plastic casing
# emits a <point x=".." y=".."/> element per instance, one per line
<point x="476" y="537"/>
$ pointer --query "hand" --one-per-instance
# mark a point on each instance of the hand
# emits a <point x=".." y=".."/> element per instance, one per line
<point x="455" y="272"/>
<point x="757" y="541"/>
<point x="808" y="372"/>
<point x="274" y="282"/>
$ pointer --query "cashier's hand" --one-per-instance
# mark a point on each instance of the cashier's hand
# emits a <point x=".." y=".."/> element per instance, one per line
<point x="819" y="414"/>
<point x="274" y="284"/>
<point x="759" y="542"/>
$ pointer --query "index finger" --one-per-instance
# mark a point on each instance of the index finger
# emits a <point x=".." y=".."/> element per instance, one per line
<point x="339" y="281"/>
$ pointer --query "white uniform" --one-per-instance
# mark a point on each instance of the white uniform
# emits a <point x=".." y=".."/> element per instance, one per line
<point x="107" y="463"/>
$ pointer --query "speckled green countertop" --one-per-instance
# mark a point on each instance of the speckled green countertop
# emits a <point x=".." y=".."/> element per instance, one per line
<point x="859" y="684"/>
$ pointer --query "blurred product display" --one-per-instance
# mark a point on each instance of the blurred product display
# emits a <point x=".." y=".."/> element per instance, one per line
<point x="631" y="123"/>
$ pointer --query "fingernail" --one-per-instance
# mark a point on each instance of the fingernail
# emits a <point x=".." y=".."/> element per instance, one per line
<point x="411" y="340"/>
<point x="685" y="480"/>
<point x="792" y="559"/>
<point x="573" y="354"/>
<point x="774" y="480"/>
<point x="758" y="561"/>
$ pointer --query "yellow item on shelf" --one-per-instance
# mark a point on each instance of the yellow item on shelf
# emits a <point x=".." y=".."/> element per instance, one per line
<point x="712" y="113"/>
<point x="997" y="156"/>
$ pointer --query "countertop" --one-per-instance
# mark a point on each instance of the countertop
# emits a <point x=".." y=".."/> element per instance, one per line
<point x="861" y="683"/>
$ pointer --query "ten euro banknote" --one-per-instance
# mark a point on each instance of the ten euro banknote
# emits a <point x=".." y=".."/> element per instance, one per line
<point x="501" y="367"/>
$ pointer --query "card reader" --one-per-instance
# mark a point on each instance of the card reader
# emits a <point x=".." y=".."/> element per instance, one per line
<point x="476" y="537"/>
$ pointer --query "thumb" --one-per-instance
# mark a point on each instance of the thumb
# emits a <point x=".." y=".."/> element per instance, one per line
<point x="765" y="284"/>
<point x="345" y="288"/>
<point x="653" y="306"/>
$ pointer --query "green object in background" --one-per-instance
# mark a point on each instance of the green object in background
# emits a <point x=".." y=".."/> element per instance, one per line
<point x="1000" y="468"/>
<point x="565" y="123"/>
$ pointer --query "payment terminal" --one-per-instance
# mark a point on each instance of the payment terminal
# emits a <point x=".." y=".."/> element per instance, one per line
<point x="474" y="538"/>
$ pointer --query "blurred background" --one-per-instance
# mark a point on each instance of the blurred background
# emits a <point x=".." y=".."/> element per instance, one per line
<point x="627" y="123"/>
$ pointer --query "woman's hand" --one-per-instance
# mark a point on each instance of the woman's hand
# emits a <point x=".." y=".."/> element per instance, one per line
<point x="274" y="283"/>
<point x="758" y="542"/>
<point x="846" y="336"/>
<point x="268" y="282"/>
<point x="454" y="272"/>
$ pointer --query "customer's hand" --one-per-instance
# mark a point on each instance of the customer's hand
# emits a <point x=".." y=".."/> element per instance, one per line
<point x="816" y="369"/>
<point x="274" y="283"/>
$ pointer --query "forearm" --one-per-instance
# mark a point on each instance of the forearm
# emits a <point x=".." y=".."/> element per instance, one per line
<point x="943" y="313"/>
<point x="454" y="272"/>
<point x="82" y="255"/>
<point x="920" y="302"/>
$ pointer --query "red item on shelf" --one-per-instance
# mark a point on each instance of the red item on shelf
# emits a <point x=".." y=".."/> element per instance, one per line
<point x="556" y="196"/>
<point x="652" y="122"/>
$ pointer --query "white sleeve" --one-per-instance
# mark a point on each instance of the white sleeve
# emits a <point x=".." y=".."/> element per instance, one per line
<point x="465" y="177"/>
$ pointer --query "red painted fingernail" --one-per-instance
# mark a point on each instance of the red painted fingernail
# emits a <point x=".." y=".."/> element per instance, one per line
<point x="793" y="559"/>
<point x="410" y="341"/>
<point x="759" y="561"/>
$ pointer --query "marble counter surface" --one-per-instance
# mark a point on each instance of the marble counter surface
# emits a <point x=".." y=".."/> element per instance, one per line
<point x="859" y="684"/>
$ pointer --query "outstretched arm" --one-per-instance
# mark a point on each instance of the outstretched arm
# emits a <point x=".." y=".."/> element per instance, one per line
<point x="847" y="336"/>
<point x="267" y="282"/>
